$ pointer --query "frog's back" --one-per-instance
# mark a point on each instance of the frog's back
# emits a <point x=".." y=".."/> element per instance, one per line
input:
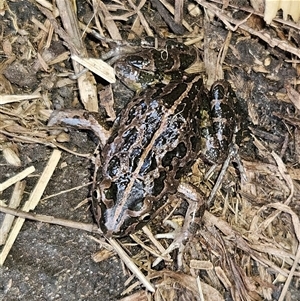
<point x="156" y="140"/>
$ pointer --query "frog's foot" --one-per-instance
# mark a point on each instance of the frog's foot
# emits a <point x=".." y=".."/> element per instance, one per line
<point x="180" y="237"/>
<point x="191" y="222"/>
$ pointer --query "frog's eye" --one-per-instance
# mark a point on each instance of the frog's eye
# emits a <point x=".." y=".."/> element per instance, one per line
<point x="95" y="206"/>
<point x="96" y="194"/>
<point x="145" y="218"/>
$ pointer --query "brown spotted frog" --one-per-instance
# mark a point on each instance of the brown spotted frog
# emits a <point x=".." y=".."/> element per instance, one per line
<point x="157" y="136"/>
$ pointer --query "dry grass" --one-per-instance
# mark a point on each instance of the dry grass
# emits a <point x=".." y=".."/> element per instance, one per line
<point x="249" y="240"/>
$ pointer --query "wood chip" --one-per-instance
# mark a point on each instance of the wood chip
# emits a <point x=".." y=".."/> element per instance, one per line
<point x="130" y="264"/>
<point x="17" y="98"/>
<point x="98" y="67"/>
<point x="33" y="200"/>
<point x="201" y="265"/>
<point x="18" y="177"/>
<point x="13" y="203"/>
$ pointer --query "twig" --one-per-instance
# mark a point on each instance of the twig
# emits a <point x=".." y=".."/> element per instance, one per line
<point x="33" y="200"/>
<point x="284" y="173"/>
<point x="176" y="28"/>
<point x="295" y="218"/>
<point x="13" y="203"/>
<point x="252" y="11"/>
<point x="141" y="16"/>
<point x="51" y="220"/>
<point x="290" y="277"/>
<point x="273" y="42"/>
<point x="66" y="191"/>
<point x="170" y="8"/>
<point x="17" y="98"/>
<point x="72" y="38"/>
<point x="86" y="83"/>
<point x="109" y="22"/>
<point x="18" y="177"/>
<point x="150" y="250"/>
<point x="131" y="266"/>
<point x="19" y="138"/>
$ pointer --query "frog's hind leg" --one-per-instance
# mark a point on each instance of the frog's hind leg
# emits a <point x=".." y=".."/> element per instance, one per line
<point x="192" y="220"/>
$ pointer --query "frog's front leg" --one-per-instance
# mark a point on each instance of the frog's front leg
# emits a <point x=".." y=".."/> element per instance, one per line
<point x="191" y="223"/>
<point x="82" y="119"/>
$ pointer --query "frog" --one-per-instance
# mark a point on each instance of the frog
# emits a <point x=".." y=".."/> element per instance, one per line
<point x="156" y="137"/>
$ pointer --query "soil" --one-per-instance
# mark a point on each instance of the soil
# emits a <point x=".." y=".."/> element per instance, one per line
<point x="51" y="262"/>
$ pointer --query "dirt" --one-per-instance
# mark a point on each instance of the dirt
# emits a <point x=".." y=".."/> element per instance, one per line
<point x="50" y="262"/>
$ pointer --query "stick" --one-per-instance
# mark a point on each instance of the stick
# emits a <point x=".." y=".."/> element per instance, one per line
<point x="50" y="219"/>
<point x="18" y="177"/>
<point x="13" y="203"/>
<point x="33" y="200"/>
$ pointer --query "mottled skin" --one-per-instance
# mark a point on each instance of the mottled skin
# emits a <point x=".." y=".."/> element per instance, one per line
<point x="158" y="135"/>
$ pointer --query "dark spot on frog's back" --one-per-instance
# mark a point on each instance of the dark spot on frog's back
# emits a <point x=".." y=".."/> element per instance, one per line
<point x="174" y="94"/>
<point x="149" y="164"/>
<point x="130" y="136"/>
<point x="159" y="183"/>
<point x="217" y="91"/>
<point x="134" y="158"/>
<point x="137" y="109"/>
<point x="186" y="107"/>
<point x="179" y="152"/>
<point x="136" y="196"/>
<point x="195" y="143"/>
<point x="113" y="166"/>
<point x="186" y="60"/>
<point x="110" y="194"/>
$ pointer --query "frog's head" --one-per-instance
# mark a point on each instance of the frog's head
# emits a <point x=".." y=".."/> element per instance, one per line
<point x="122" y="209"/>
